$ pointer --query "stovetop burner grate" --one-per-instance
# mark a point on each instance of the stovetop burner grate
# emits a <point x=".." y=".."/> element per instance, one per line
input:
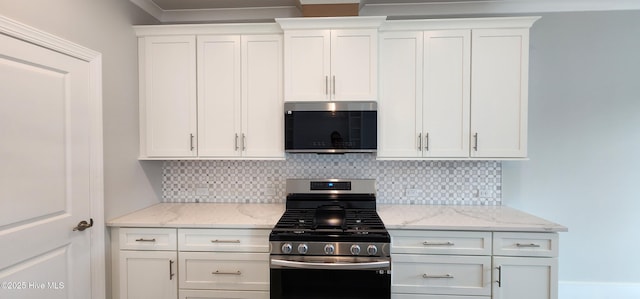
<point x="306" y="220"/>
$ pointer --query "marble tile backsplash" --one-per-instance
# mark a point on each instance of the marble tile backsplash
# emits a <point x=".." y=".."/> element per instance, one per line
<point x="398" y="182"/>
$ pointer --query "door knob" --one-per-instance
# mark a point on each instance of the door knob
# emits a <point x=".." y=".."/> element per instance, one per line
<point x="82" y="225"/>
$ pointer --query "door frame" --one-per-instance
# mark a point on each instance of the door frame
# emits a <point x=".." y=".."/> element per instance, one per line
<point x="38" y="37"/>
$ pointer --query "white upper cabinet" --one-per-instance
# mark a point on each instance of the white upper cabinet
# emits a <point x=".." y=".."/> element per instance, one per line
<point x="445" y="109"/>
<point x="331" y="58"/>
<point x="219" y="96"/>
<point x="307" y="65"/>
<point x="262" y="106"/>
<point x="400" y="103"/>
<point x="226" y="104"/>
<point x="240" y="96"/>
<point x="500" y="68"/>
<point x="167" y="96"/>
<point x="424" y="101"/>
<point x="454" y="88"/>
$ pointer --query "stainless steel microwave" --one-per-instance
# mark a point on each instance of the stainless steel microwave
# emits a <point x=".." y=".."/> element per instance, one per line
<point x="330" y="127"/>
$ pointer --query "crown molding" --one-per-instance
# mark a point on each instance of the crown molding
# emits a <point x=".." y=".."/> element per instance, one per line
<point x="459" y="23"/>
<point x="390" y="8"/>
<point x="493" y="7"/>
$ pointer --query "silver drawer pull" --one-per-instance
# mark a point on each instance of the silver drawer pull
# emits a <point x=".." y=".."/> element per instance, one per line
<point x="531" y="245"/>
<point x="146" y="240"/>
<point x="427" y="243"/>
<point x="225" y="241"/>
<point x="226" y="273"/>
<point x="437" y="276"/>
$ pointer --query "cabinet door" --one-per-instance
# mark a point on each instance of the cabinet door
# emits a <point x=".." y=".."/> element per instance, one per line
<point x="148" y="274"/>
<point x="441" y="274"/>
<point x="445" y="110"/>
<point x="499" y="74"/>
<point x="262" y="108"/>
<point x="525" y="278"/>
<point x="219" y="95"/>
<point x="400" y="103"/>
<point x="168" y="97"/>
<point x="307" y="65"/>
<point x="224" y="271"/>
<point x="354" y="60"/>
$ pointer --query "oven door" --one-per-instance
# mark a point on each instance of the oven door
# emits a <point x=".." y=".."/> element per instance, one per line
<point x="320" y="277"/>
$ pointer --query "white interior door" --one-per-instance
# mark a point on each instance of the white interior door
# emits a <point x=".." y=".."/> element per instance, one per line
<point x="46" y="181"/>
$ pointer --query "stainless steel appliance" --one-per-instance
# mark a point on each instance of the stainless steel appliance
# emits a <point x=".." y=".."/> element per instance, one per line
<point x="330" y="127"/>
<point x="330" y="243"/>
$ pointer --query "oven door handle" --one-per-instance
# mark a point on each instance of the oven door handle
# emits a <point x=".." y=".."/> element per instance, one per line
<point x="382" y="265"/>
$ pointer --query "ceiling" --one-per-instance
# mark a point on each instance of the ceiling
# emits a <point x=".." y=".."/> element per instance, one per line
<point x="199" y="11"/>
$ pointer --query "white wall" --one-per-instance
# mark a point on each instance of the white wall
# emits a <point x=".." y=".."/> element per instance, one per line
<point x="584" y="134"/>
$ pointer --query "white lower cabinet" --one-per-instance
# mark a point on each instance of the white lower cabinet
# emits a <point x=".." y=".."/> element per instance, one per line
<point x="525" y="278"/>
<point x="169" y="263"/>
<point x="148" y="274"/>
<point x="144" y="263"/>
<point x="473" y="265"/>
<point x="223" y="263"/>
<point x="224" y="271"/>
<point x="441" y="274"/>
<point x="525" y="265"/>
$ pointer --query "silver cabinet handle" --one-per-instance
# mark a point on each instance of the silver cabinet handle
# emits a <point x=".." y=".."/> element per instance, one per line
<point x="326" y="85"/>
<point x="171" y="274"/>
<point x="225" y="241"/>
<point x="419" y="141"/>
<point x="475" y="143"/>
<point x="191" y="141"/>
<point x="244" y="142"/>
<point x="333" y="85"/>
<point x="226" y="273"/>
<point x="448" y="243"/>
<point x="437" y="276"/>
<point x="235" y="144"/>
<point x="499" y="281"/>
<point x="426" y="142"/>
<point x="531" y="245"/>
<point x="146" y="240"/>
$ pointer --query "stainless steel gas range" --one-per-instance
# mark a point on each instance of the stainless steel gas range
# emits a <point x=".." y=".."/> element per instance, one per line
<point x="330" y="243"/>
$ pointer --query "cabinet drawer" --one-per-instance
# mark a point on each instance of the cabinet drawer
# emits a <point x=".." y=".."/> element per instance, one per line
<point x="148" y="239"/>
<point x="440" y="242"/>
<point x="224" y="271"/>
<point x="229" y="240"/>
<point x="441" y="275"/>
<point x="525" y="244"/>
<point x="212" y="294"/>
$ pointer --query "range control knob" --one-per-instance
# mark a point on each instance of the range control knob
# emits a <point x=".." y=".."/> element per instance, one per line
<point x="303" y="248"/>
<point x="372" y="249"/>
<point x="355" y="249"/>
<point x="329" y="249"/>
<point x="286" y="248"/>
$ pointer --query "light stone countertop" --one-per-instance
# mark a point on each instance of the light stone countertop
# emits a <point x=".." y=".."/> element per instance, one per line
<point x="468" y="218"/>
<point x="203" y="215"/>
<point x="434" y="217"/>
